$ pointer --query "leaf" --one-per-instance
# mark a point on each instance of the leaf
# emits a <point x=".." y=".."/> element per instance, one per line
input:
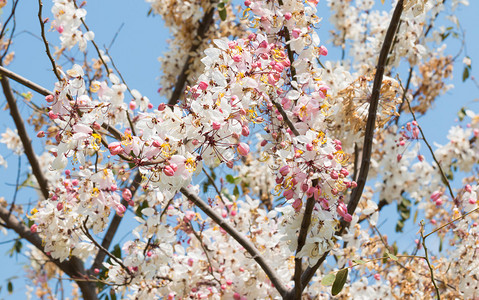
<point x="338" y="284"/>
<point x="465" y="74"/>
<point x="392" y="256"/>
<point x="440" y="244"/>
<point x="328" y="279"/>
<point x="222" y="11"/>
<point x="230" y="179"/>
<point x="236" y="192"/>
<point x="10" y="287"/>
<point x="359" y="261"/>
<point x="461" y="114"/>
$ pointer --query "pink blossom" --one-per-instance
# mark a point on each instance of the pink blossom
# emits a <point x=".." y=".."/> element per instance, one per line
<point x="126" y="194"/>
<point x="115" y="148"/>
<point x="203" y="86"/>
<point x="243" y="149"/>
<point x="168" y="170"/>
<point x="284" y="170"/>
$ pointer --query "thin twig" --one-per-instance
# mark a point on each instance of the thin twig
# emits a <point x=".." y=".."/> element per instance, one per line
<point x="247" y="245"/>
<point x="285" y="118"/>
<point x="448" y="223"/>
<point x="84" y="229"/>
<point x="431" y="268"/>
<point x="216" y="189"/>
<point x="443" y="175"/>
<point x="47" y="47"/>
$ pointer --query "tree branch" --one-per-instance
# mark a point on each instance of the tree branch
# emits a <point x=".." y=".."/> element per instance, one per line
<point x="23" y="81"/>
<point x="200" y="34"/>
<point x="239" y="238"/>
<point x="369" y="134"/>
<point x="26" y="141"/>
<point x="73" y="267"/>
<point x="115" y="223"/>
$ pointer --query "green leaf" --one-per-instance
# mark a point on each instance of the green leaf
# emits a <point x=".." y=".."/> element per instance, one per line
<point x="328" y="279"/>
<point x="236" y="192"/>
<point x="461" y="114"/>
<point x="116" y="251"/>
<point x="392" y="256"/>
<point x="440" y="244"/>
<point x="10" y="287"/>
<point x="222" y="11"/>
<point x="230" y="179"/>
<point x="465" y="74"/>
<point x="359" y="261"/>
<point x="385" y="257"/>
<point x="339" y="282"/>
<point x="399" y="226"/>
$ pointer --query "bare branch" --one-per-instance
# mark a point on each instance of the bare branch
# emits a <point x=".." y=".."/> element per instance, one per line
<point x="26" y="141"/>
<point x="23" y="81"/>
<point x="200" y="34"/>
<point x="47" y="47"/>
<point x="369" y="134"/>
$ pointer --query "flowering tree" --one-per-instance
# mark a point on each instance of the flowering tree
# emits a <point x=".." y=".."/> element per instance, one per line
<point x="264" y="174"/>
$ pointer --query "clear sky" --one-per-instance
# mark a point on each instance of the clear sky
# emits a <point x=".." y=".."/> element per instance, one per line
<point x="140" y="42"/>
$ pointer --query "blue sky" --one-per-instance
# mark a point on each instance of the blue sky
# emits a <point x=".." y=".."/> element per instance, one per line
<point x="135" y="52"/>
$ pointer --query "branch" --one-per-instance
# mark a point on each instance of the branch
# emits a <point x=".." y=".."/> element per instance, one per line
<point x="26" y="141"/>
<point x="23" y="81"/>
<point x="249" y="247"/>
<point x="47" y="48"/>
<point x="298" y="288"/>
<point x="373" y="106"/>
<point x="73" y="267"/>
<point x="115" y="223"/>
<point x="200" y="34"/>
<point x="285" y="118"/>
<point x="431" y="268"/>
<point x="369" y="134"/>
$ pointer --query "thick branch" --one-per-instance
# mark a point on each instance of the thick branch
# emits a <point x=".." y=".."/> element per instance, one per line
<point x="22" y="132"/>
<point x="239" y="238"/>
<point x="373" y="106"/>
<point x="23" y="81"/>
<point x="369" y="134"/>
<point x="200" y="34"/>
<point x="73" y="267"/>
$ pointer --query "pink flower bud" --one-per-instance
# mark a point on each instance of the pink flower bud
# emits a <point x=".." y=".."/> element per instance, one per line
<point x="41" y="134"/>
<point x="284" y="170"/>
<point x="168" y="170"/>
<point x="323" y="51"/>
<point x="150" y="106"/>
<point x="344" y="172"/>
<point x="49" y="98"/>
<point x="52" y="115"/>
<point x="237" y="58"/>
<point x="203" y="86"/>
<point x="436" y="195"/>
<point x="243" y="149"/>
<point x="60" y="29"/>
<point x="468" y="188"/>
<point x="126" y="194"/>
<point x="296" y="32"/>
<point x="60" y="206"/>
<point x="415" y="133"/>
<point x="120" y="209"/>
<point x="399" y="157"/>
<point x="132" y="105"/>
<point x="247" y="3"/>
<point x="216" y="126"/>
<point x="245" y="131"/>
<point x="287" y="15"/>
<point x="161" y="107"/>
<point x="297" y="204"/>
<point x="34" y="228"/>
<point x="377" y="276"/>
<point x="288" y="194"/>
<point x="334" y="175"/>
<point x="96" y="271"/>
<point x="96" y="126"/>
<point x="115" y="148"/>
